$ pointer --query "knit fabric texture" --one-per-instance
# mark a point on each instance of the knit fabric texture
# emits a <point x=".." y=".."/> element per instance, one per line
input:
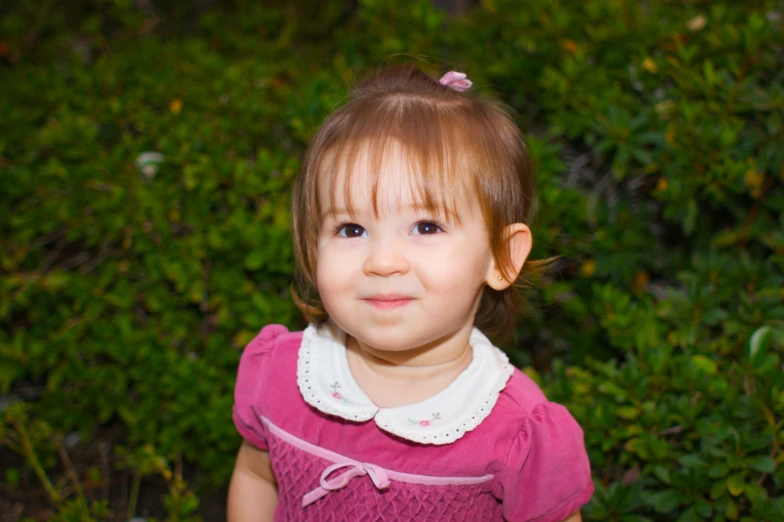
<point x="298" y="473"/>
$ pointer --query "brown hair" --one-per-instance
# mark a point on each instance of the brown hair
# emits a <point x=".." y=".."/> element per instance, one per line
<point x="454" y="139"/>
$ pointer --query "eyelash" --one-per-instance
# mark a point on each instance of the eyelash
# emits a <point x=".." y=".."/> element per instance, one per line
<point x="438" y="225"/>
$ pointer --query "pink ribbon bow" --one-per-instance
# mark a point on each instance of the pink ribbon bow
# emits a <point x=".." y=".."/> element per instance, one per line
<point x="355" y="469"/>
<point x="456" y="81"/>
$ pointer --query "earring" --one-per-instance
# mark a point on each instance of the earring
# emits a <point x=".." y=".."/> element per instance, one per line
<point x="500" y="278"/>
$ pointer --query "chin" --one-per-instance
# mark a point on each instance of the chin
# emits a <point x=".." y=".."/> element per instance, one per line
<point x="391" y="342"/>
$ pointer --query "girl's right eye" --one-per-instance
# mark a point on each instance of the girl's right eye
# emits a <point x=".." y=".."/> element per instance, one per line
<point x="349" y="230"/>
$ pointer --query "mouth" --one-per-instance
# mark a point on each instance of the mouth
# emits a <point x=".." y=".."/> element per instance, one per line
<point x="387" y="302"/>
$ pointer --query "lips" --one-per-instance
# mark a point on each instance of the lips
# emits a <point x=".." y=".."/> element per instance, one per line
<point x="388" y="301"/>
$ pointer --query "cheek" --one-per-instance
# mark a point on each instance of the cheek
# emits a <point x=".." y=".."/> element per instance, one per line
<point x="457" y="269"/>
<point x="331" y="273"/>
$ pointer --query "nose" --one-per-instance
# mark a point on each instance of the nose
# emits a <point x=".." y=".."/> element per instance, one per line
<point x="385" y="257"/>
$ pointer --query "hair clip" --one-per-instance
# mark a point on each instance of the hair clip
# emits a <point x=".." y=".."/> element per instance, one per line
<point x="456" y="81"/>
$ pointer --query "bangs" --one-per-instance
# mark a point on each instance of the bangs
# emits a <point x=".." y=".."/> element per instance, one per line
<point x="441" y="160"/>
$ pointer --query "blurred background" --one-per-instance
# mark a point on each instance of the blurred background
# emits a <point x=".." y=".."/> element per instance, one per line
<point x="147" y="152"/>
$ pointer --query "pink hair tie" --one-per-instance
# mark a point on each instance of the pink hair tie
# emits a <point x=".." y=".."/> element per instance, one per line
<point x="456" y="81"/>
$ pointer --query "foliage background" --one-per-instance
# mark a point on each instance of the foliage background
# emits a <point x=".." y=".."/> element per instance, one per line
<point x="128" y="290"/>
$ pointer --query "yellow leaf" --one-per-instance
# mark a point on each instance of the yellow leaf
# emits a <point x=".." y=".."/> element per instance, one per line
<point x="754" y="181"/>
<point x="634" y="429"/>
<point x="588" y="268"/>
<point x="641" y="279"/>
<point x="649" y="65"/>
<point x="669" y="137"/>
<point x="661" y="184"/>
<point x="243" y="337"/>
<point x="735" y="484"/>
<point x="175" y="106"/>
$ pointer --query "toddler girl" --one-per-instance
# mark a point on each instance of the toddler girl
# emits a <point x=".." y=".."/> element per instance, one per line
<point x="409" y="220"/>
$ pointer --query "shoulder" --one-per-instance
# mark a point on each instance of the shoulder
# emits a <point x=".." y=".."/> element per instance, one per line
<point x="524" y="390"/>
<point x="521" y="396"/>
<point x="272" y="340"/>
<point x="252" y="375"/>
<point x="268" y="338"/>
<point x="524" y="403"/>
<point x="534" y="424"/>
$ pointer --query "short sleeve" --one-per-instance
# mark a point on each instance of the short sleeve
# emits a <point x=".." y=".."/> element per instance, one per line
<point x="249" y="379"/>
<point x="547" y="475"/>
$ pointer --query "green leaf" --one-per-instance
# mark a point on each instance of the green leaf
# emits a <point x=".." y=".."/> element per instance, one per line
<point x="254" y="260"/>
<point x="692" y="460"/>
<point x="755" y="493"/>
<point x="758" y="343"/>
<point x="704" y="364"/>
<point x="663" y="474"/>
<point x="627" y="412"/>
<point x="703" y="508"/>
<point x="718" y="489"/>
<point x="709" y="72"/>
<point x="761" y="463"/>
<point x="719" y="470"/>
<point x="664" y="501"/>
<point x="690" y="515"/>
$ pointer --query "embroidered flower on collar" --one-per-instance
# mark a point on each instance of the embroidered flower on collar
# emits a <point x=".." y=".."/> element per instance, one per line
<point x="336" y="394"/>
<point x="425" y="422"/>
<point x="325" y="381"/>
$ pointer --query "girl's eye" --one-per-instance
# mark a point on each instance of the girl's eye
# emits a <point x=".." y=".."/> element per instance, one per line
<point x="427" y="228"/>
<point x="349" y="230"/>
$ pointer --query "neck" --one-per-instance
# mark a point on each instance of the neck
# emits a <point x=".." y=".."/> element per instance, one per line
<point x="443" y="358"/>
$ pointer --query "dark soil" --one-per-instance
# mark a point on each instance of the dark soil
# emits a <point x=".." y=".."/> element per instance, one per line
<point x="28" y="499"/>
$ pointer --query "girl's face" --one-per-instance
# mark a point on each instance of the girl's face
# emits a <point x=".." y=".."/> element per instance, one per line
<point x="404" y="279"/>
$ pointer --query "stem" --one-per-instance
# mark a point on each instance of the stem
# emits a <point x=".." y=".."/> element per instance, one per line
<point x="107" y="472"/>
<point x="137" y="481"/>
<point x="13" y="446"/>
<point x="175" y="485"/>
<point x="69" y="469"/>
<point x="32" y="458"/>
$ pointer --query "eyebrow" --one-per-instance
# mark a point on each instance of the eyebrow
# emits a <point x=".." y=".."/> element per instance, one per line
<point x="332" y="212"/>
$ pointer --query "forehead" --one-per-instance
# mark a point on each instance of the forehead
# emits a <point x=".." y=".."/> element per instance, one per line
<point x="383" y="177"/>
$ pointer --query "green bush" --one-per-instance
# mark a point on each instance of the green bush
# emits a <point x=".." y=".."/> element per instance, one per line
<point x="656" y="128"/>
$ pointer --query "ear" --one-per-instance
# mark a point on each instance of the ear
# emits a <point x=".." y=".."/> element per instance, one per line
<point x="518" y="241"/>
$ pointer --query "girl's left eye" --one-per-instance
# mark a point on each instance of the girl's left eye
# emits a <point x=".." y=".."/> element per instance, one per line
<point x="427" y="228"/>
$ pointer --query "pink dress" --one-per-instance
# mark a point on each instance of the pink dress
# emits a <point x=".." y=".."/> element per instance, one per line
<point x="505" y="454"/>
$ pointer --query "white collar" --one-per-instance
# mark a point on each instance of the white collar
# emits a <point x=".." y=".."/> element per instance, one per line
<point x="326" y="383"/>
